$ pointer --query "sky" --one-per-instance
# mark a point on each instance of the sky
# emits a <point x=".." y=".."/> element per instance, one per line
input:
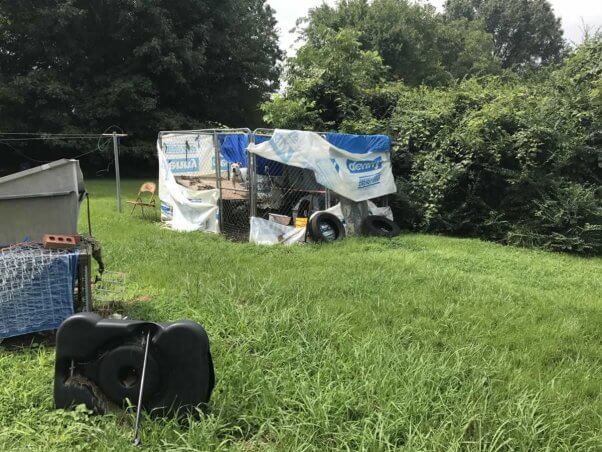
<point x="572" y="12"/>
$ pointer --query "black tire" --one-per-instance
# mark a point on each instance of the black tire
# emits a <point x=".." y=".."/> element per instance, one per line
<point x="378" y="226"/>
<point x="120" y="371"/>
<point x="325" y="227"/>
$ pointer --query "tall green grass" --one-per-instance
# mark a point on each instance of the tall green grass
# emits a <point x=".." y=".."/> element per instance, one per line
<point x="416" y="343"/>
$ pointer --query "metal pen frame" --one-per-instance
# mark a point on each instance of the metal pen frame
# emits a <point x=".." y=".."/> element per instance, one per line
<point x="214" y="133"/>
<point x="251" y="160"/>
<point x="265" y="132"/>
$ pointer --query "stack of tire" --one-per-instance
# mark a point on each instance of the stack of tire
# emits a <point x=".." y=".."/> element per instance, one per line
<point x="326" y="227"/>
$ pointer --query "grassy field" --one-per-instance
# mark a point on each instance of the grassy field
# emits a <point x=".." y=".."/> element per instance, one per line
<point x="419" y="343"/>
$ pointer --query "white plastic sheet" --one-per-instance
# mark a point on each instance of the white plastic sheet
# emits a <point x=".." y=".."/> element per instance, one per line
<point x="265" y="232"/>
<point x="386" y="211"/>
<point x="183" y="209"/>
<point x="358" y="177"/>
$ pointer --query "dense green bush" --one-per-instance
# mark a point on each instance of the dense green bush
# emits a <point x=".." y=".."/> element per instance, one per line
<point x="506" y="159"/>
<point x="511" y="158"/>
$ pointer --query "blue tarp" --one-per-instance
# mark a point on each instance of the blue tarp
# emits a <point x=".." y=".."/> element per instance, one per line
<point x="359" y="144"/>
<point x="233" y="148"/>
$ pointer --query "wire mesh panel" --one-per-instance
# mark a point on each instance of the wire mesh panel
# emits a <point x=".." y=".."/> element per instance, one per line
<point x="234" y="181"/>
<point x="191" y="158"/>
<point x="36" y="288"/>
<point x="285" y="193"/>
<point x="212" y="166"/>
<point x="110" y="288"/>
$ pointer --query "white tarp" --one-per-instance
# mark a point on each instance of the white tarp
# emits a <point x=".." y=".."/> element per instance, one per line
<point x="265" y="232"/>
<point x="183" y="209"/>
<point x="358" y="177"/>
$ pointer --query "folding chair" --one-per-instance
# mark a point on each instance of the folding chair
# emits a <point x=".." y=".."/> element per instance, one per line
<point x="147" y="187"/>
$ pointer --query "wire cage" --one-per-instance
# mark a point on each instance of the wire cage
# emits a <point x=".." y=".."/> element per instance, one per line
<point x="247" y="185"/>
<point x="36" y="288"/>
<point x="226" y="171"/>
<point x="283" y="193"/>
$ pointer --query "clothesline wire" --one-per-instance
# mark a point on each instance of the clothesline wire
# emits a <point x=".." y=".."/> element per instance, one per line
<point x="71" y="135"/>
<point x="52" y="138"/>
<point x="32" y="136"/>
<point x="98" y="148"/>
<point x="46" y="134"/>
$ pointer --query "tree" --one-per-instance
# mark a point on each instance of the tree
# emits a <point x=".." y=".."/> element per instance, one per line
<point x="412" y="39"/>
<point x="358" y="56"/>
<point x="325" y="82"/>
<point x="466" y="49"/>
<point x="146" y="65"/>
<point x="525" y="32"/>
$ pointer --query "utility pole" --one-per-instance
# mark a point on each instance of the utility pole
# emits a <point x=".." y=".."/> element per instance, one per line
<point x="116" y="137"/>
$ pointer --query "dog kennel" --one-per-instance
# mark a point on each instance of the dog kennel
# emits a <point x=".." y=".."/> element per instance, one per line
<point x="226" y="180"/>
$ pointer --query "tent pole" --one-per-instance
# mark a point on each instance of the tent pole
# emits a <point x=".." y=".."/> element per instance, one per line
<point x="218" y="173"/>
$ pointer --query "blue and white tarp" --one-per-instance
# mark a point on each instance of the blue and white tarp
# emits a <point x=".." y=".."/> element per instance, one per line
<point x="360" y="174"/>
<point x="182" y="209"/>
<point x="190" y="154"/>
<point x="359" y="144"/>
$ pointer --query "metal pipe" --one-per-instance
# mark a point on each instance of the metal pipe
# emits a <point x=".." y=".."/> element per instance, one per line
<point x="218" y="174"/>
<point x="117" y="175"/>
<point x="88" y="210"/>
<point x="136" y="440"/>
<point x="253" y="180"/>
<point x="88" y="280"/>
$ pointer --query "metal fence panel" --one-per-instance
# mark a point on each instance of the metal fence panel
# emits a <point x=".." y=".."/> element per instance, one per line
<point x="265" y="188"/>
<point x="235" y="193"/>
<point x="212" y="171"/>
<point x="286" y="193"/>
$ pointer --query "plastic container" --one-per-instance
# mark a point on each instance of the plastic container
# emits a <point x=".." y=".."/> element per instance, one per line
<point x="300" y="222"/>
<point x="40" y="200"/>
<point x="280" y="219"/>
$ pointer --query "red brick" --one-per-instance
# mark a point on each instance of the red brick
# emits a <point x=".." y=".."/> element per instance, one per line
<point x="59" y="241"/>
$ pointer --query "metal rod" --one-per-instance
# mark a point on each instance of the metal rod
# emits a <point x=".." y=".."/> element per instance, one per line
<point x="117" y="175"/>
<point x="218" y="173"/>
<point x="253" y="180"/>
<point x="136" y="440"/>
<point x="88" y="280"/>
<point x="88" y="210"/>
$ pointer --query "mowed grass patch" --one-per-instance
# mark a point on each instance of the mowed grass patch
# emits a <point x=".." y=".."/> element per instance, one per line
<point x="416" y="343"/>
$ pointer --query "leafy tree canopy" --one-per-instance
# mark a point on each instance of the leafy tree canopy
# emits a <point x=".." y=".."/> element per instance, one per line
<point x="525" y="32"/>
<point x="411" y="38"/>
<point x="357" y="55"/>
<point x="326" y="83"/>
<point x="146" y="65"/>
